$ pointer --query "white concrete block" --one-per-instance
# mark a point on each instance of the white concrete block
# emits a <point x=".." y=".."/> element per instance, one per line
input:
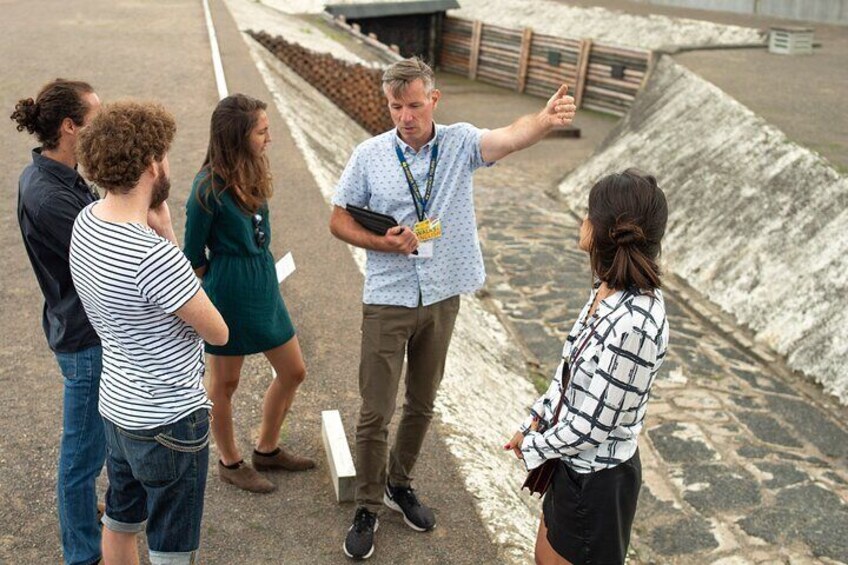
<point x="339" y="459"/>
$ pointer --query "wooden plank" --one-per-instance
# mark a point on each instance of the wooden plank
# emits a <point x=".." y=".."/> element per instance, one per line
<point x="623" y="51"/>
<point x="524" y="58"/>
<point x="506" y="80"/>
<point x="495" y="50"/>
<point x="492" y="28"/>
<point x="339" y="459"/>
<point x="460" y="23"/>
<point x="601" y="68"/>
<point x="582" y="66"/>
<point x="476" y="35"/>
<point x="556" y="42"/>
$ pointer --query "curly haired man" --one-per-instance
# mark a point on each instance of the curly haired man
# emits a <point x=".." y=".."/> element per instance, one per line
<point x="152" y="316"/>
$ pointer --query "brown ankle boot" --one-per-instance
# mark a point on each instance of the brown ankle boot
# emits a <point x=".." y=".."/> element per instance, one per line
<point x="281" y="459"/>
<point x="245" y="478"/>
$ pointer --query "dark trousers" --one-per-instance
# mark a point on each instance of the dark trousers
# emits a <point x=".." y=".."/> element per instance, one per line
<point x="388" y="332"/>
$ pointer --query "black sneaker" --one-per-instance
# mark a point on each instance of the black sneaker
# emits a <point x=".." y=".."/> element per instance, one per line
<point x="359" y="543"/>
<point x="416" y="515"/>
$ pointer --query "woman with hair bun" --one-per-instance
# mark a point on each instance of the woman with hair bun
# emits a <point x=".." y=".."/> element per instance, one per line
<point x="227" y="214"/>
<point x="589" y="419"/>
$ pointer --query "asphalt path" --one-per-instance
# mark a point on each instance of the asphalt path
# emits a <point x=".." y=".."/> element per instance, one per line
<point x="160" y="51"/>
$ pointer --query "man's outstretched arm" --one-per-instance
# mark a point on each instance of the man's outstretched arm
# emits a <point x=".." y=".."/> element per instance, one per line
<point x="527" y="130"/>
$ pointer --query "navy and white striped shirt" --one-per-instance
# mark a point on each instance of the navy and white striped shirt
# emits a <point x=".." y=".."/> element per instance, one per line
<point x="605" y="402"/>
<point x="131" y="281"/>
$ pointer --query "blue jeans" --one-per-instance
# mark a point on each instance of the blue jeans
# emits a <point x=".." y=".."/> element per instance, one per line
<point x="157" y="479"/>
<point x="81" y="456"/>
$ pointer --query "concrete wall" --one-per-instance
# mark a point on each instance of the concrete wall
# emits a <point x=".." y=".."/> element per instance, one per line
<point x="826" y="11"/>
<point x="756" y="222"/>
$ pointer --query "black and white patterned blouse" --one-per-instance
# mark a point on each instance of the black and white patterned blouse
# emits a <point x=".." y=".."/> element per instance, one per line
<point x="615" y="355"/>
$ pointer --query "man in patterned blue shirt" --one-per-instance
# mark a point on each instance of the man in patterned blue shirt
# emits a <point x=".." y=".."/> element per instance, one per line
<point x="420" y="173"/>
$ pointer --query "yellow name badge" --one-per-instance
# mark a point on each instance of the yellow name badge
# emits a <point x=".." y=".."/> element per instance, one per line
<point x="428" y="229"/>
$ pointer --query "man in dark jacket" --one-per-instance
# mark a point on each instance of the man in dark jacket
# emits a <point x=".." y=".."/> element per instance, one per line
<point x="50" y="195"/>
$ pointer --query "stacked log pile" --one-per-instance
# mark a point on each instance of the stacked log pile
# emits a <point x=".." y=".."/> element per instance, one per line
<point x="354" y="88"/>
<point x="601" y="77"/>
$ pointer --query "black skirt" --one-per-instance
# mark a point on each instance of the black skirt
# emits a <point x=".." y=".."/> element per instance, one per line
<point x="589" y="515"/>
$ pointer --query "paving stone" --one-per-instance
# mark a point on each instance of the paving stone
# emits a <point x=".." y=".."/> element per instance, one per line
<point x="682" y="537"/>
<point x="747" y="401"/>
<point x="835" y="478"/>
<point x="679" y="340"/>
<point x="672" y="309"/>
<point x="529" y="279"/>
<point x="767" y="429"/>
<point x="495" y="235"/>
<point x="651" y="509"/>
<point x="751" y="451"/>
<point x="699" y="363"/>
<point x="735" y="354"/>
<point x="548" y="353"/>
<point x="783" y="474"/>
<point x="696" y="399"/>
<point x="683" y="326"/>
<point x="808" y="512"/>
<point x="720" y="488"/>
<point x="811" y="424"/>
<point x="763" y="382"/>
<point x="532" y="331"/>
<point x="734" y="560"/>
<point x="679" y="443"/>
<point x="530" y="313"/>
<point x="668" y="365"/>
<point x="787" y="456"/>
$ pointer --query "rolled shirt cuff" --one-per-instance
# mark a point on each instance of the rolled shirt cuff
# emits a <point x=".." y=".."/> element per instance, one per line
<point x="532" y="458"/>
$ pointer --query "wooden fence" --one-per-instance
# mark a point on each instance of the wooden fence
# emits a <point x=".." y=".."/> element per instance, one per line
<point x="600" y="77"/>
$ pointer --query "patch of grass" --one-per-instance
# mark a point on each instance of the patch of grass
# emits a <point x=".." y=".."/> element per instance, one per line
<point x="538" y="378"/>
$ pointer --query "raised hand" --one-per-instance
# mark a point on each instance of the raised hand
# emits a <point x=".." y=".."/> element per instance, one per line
<point x="560" y="109"/>
<point x="159" y="220"/>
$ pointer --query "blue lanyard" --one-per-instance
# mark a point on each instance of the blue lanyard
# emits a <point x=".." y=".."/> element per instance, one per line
<point x="420" y="203"/>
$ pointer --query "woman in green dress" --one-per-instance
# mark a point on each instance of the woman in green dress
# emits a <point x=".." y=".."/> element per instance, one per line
<point x="227" y="214"/>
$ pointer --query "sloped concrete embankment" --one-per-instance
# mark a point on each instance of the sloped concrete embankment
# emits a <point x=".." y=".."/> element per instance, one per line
<point x="757" y="223"/>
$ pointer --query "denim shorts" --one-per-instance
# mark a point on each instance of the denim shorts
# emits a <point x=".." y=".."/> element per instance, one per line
<point x="157" y="479"/>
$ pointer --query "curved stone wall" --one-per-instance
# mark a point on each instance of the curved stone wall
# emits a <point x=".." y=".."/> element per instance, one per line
<point x="757" y="223"/>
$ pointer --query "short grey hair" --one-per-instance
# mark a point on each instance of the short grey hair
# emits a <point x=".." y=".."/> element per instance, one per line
<point x="399" y="75"/>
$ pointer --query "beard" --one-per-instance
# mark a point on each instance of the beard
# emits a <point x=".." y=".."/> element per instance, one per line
<point x="161" y="190"/>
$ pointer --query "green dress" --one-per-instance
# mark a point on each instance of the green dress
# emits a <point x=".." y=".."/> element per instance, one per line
<point x="240" y="278"/>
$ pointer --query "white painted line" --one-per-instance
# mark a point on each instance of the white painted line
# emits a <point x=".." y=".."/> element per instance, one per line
<point x="339" y="459"/>
<point x="217" y="65"/>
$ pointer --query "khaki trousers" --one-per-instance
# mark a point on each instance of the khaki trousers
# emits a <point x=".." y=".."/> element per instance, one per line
<point x="424" y="334"/>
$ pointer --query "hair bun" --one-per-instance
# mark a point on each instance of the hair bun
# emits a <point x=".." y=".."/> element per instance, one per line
<point x="25" y="114"/>
<point x="627" y="233"/>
